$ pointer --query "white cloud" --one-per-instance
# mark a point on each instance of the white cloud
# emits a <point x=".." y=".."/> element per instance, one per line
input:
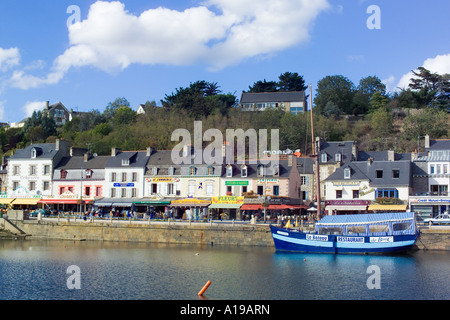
<point x="217" y="34"/>
<point x="9" y="58"/>
<point x="389" y="82"/>
<point x="439" y="64"/>
<point x="2" y="110"/>
<point x="30" y="107"/>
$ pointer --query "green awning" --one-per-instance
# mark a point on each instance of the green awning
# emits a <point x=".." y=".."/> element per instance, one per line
<point x="152" y="203"/>
<point x="225" y="206"/>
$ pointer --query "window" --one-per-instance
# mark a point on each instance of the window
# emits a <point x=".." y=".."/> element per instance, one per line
<point x="15" y="185"/>
<point x="432" y="169"/>
<point x="125" y="162"/>
<point x="229" y="171"/>
<point x="445" y="168"/>
<point x="379" y="174"/>
<point x="438" y="169"/>
<point x="170" y="188"/>
<point x="191" y="188"/>
<point x="154" y="171"/>
<point x="134" y="176"/>
<point x="276" y="170"/>
<point x="323" y="158"/>
<point x="46" y="169"/>
<point x="338" y="157"/>
<point x="347" y="173"/>
<point x="209" y="188"/>
<point x="32" y="186"/>
<point x="63" y="174"/>
<point x="244" y="189"/>
<point x="386" y="193"/>
<point x="61" y="190"/>
<point x="171" y="171"/>
<point x="338" y="194"/>
<point x="355" y="194"/>
<point x="87" y="191"/>
<point x="71" y="189"/>
<point x="123" y="193"/>
<point x="113" y="192"/>
<point x="276" y="190"/>
<point x="154" y="188"/>
<point x="89" y="174"/>
<point x="32" y="170"/>
<point x="260" y="170"/>
<point x="244" y="171"/>
<point x="395" y="174"/>
<point x="192" y="171"/>
<point x="124" y="176"/>
<point x="113" y="177"/>
<point x="33" y="153"/>
<point x="98" y="191"/>
<point x="133" y="192"/>
<point x="304" y="180"/>
<point x="16" y="170"/>
<point x="210" y="171"/>
<point x="46" y="185"/>
<point x="260" y="190"/>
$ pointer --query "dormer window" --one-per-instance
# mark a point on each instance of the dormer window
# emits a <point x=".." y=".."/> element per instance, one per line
<point x="347" y="173"/>
<point x="323" y="158"/>
<point x="171" y="171"/>
<point x="210" y="171"/>
<point x="125" y="162"/>
<point x="276" y="170"/>
<point x="63" y="174"/>
<point x="33" y="153"/>
<point x="338" y="157"/>
<point x="192" y="171"/>
<point x="154" y="171"/>
<point x="229" y="171"/>
<point x="244" y="171"/>
<point x="89" y="173"/>
<point x="260" y="170"/>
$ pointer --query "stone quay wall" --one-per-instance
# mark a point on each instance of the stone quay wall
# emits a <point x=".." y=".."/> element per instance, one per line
<point x="436" y="238"/>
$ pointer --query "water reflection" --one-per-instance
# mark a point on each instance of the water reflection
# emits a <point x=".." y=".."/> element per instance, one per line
<point x="109" y="270"/>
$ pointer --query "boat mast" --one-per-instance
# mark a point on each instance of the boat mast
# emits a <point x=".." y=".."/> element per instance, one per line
<point x="315" y="154"/>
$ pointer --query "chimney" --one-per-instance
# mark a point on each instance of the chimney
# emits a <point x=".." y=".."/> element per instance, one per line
<point x="57" y="145"/>
<point x="391" y="155"/>
<point x="86" y="157"/>
<point x="114" y="152"/>
<point x="369" y="161"/>
<point x="427" y="141"/>
<point x="413" y="155"/>
<point x="354" y="150"/>
<point x="47" y="105"/>
<point x="150" y="151"/>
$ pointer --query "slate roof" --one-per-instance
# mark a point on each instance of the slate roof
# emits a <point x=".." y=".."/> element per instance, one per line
<point x="77" y="162"/>
<point x="138" y="159"/>
<point x="332" y="148"/>
<point x="281" y="96"/>
<point x="361" y="170"/>
<point x="443" y="144"/>
<point x="44" y="151"/>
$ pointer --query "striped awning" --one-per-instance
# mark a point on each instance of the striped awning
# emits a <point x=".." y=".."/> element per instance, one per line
<point x="387" y="207"/>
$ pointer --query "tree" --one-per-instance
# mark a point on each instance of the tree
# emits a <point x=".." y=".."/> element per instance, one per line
<point x="291" y="82"/>
<point x="39" y="126"/>
<point x="364" y="93"/>
<point x="112" y="108"/>
<point x="124" y="116"/>
<point x="263" y="86"/>
<point x="428" y="121"/>
<point x="378" y="101"/>
<point x="431" y="89"/>
<point x="336" y="89"/>
<point x="381" y="122"/>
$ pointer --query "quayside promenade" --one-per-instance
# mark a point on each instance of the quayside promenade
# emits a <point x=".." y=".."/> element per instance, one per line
<point x="213" y="232"/>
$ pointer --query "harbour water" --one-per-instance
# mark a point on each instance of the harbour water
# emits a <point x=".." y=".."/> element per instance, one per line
<point x="40" y="270"/>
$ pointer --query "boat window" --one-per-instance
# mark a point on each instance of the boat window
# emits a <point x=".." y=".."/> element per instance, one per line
<point x="331" y="230"/>
<point x="356" y="229"/>
<point x="378" y="228"/>
<point x="401" y="226"/>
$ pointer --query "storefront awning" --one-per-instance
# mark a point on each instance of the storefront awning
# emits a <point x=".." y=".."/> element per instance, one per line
<point x="387" y="207"/>
<point x="152" y="202"/>
<point x="60" y="201"/>
<point x="251" y="207"/>
<point x="346" y="208"/>
<point x="286" y="207"/>
<point x="26" y="201"/>
<point x="190" y="202"/>
<point x="6" y="200"/>
<point x="225" y="206"/>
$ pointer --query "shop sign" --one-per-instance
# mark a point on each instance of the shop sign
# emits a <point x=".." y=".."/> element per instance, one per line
<point x="431" y="200"/>
<point x="346" y="183"/>
<point x="227" y="200"/>
<point x="155" y="180"/>
<point x="68" y="195"/>
<point x="236" y="183"/>
<point x="347" y="202"/>
<point x="267" y="180"/>
<point x="190" y="201"/>
<point x="124" y="185"/>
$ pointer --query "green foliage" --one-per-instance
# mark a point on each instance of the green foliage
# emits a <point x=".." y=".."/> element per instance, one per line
<point x="288" y="81"/>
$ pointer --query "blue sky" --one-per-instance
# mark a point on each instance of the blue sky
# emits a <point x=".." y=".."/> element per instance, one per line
<point x="145" y="49"/>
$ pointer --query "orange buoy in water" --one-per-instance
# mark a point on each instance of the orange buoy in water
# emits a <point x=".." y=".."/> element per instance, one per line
<point x="204" y="288"/>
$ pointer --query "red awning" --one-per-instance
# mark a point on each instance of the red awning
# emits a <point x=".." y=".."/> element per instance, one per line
<point x="251" y="207"/>
<point x="286" y="206"/>
<point x="61" y="201"/>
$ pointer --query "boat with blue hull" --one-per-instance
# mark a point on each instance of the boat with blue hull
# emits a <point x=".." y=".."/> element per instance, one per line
<point x="378" y="233"/>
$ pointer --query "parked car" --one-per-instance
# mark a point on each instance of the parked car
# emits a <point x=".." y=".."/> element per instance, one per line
<point x="36" y="212"/>
<point x="440" y="219"/>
